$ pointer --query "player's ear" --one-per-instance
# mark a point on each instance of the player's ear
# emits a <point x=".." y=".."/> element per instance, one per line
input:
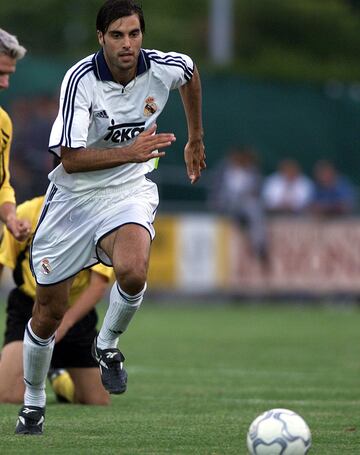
<point x="100" y="37"/>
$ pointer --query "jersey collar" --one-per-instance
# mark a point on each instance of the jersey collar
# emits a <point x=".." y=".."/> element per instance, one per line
<point x="101" y="69"/>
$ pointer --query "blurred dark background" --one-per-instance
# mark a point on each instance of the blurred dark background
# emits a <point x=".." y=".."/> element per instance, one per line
<point x="288" y="83"/>
<point x="281" y="82"/>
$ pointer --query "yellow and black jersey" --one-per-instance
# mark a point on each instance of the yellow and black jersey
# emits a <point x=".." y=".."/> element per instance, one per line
<point x="15" y="255"/>
<point x="7" y="193"/>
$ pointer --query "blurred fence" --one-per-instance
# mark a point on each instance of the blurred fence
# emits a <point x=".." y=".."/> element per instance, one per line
<point x="203" y="254"/>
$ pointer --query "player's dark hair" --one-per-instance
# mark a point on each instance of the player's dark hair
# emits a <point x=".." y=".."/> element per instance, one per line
<point x="115" y="9"/>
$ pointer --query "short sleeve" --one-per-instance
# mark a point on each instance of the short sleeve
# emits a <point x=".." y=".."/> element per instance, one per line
<point x="107" y="272"/>
<point x="173" y="68"/>
<point x="10" y="248"/>
<point x="7" y="193"/>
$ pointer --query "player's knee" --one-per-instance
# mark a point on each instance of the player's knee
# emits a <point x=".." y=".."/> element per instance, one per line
<point x="94" y="400"/>
<point x="57" y="313"/>
<point x="47" y="315"/>
<point x="132" y="280"/>
<point x="99" y="401"/>
<point x="11" y="396"/>
<point x="50" y="308"/>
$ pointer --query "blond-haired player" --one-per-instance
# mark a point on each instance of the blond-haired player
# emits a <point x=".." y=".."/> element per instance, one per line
<point x="10" y="53"/>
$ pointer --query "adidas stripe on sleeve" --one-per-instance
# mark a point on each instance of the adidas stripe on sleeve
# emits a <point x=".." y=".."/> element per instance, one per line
<point x="176" y="68"/>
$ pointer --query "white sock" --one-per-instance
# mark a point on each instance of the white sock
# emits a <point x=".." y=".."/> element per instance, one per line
<point x="37" y="357"/>
<point x="121" y="310"/>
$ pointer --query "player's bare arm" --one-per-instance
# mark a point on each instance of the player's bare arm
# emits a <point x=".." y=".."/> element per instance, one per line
<point x="144" y="148"/>
<point x="194" y="153"/>
<point x="84" y="304"/>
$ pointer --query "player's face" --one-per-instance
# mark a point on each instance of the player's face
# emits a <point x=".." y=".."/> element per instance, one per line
<point x="122" y="43"/>
<point x="7" y="67"/>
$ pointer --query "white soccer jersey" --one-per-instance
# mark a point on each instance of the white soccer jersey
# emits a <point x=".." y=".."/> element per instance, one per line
<point x="97" y="112"/>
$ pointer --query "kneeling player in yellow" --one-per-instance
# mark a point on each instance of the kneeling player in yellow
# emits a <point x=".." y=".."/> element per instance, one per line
<point x="75" y="334"/>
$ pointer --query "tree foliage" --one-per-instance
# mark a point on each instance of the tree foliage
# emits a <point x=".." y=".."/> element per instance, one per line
<point x="305" y="39"/>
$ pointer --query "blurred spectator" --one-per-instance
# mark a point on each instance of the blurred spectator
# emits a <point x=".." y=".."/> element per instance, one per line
<point x="236" y="192"/>
<point x="334" y="194"/>
<point x="33" y="119"/>
<point x="287" y="191"/>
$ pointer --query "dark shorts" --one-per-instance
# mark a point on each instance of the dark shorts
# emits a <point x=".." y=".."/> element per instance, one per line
<point x="73" y="351"/>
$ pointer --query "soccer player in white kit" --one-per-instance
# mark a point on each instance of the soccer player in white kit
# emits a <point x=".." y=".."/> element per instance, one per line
<point x="100" y="207"/>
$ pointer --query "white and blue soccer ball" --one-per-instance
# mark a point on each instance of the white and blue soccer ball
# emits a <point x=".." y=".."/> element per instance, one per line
<point x="278" y="432"/>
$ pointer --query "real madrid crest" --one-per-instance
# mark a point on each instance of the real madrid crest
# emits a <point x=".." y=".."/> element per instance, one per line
<point x="45" y="266"/>
<point x="150" y="106"/>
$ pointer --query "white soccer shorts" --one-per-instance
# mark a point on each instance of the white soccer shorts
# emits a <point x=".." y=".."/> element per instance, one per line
<point x="70" y="226"/>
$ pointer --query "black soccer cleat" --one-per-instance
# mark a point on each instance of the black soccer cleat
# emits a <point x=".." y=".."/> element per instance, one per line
<point x="113" y="374"/>
<point x="30" y="420"/>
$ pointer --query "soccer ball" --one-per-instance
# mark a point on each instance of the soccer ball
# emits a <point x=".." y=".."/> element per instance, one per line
<point x="278" y="432"/>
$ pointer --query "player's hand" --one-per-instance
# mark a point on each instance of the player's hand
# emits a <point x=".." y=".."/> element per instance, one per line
<point x="194" y="155"/>
<point x="20" y="229"/>
<point x="147" y="144"/>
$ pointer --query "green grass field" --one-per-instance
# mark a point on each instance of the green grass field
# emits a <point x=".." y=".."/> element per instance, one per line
<point x="198" y="375"/>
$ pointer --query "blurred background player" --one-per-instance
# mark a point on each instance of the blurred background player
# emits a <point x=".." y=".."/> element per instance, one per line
<point x="32" y="118"/>
<point x="287" y="191"/>
<point x="74" y="336"/>
<point x="10" y="52"/>
<point x="334" y="194"/>
<point x="236" y="192"/>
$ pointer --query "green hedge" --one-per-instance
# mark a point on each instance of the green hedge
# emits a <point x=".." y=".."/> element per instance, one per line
<point x="297" y="40"/>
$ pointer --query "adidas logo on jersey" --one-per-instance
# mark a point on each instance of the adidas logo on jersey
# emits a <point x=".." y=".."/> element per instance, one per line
<point x="101" y="114"/>
<point x="124" y="131"/>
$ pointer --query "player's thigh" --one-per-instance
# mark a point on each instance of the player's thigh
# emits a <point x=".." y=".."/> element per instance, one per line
<point x="88" y="386"/>
<point x="11" y="373"/>
<point x="128" y="246"/>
